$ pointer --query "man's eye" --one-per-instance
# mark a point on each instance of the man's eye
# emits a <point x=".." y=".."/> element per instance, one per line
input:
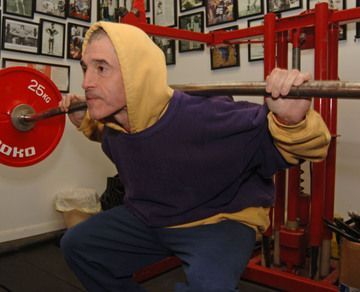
<point x="101" y="68"/>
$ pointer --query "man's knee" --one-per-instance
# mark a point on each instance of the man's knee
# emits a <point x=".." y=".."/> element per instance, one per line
<point x="70" y="242"/>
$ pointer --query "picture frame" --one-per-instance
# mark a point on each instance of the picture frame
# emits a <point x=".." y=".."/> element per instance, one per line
<point x="20" y="36"/>
<point x="168" y="47"/>
<point x="23" y="8"/>
<point x="225" y="56"/>
<point x="52" y="35"/>
<point x="55" y="8"/>
<point x="283" y="5"/>
<point x="334" y="4"/>
<point x="80" y="10"/>
<point x="343" y="32"/>
<point x="192" y="22"/>
<point x="164" y="12"/>
<point x="220" y="11"/>
<point x="108" y="12"/>
<point x="186" y="5"/>
<point x="256" y="50"/>
<point x="59" y="74"/>
<point x="76" y="34"/>
<point x="249" y="8"/>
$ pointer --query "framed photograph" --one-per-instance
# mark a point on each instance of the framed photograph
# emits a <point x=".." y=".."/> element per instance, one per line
<point x="342" y="32"/>
<point x="23" y="8"/>
<point x="20" y="36"/>
<point x="333" y="4"/>
<point x="248" y="8"/>
<point x="79" y="9"/>
<point x="283" y="5"/>
<point x="52" y="38"/>
<point x="225" y="56"/>
<point x="108" y="10"/>
<point x="59" y="74"/>
<point x="256" y="50"/>
<point x="192" y="22"/>
<point x="164" y="12"/>
<point x="186" y="5"/>
<point x="56" y="8"/>
<point x="76" y="35"/>
<point x="220" y="11"/>
<point x="168" y="47"/>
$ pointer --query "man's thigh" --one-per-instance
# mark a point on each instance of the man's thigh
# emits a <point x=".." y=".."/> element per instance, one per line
<point x="115" y="240"/>
<point x="214" y="256"/>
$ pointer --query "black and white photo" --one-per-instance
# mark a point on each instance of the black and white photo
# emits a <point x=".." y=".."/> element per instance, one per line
<point x="186" y="5"/>
<point x="56" y="8"/>
<point x="52" y="38"/>
<point x="247" y="8"/>
<point x="342" y="32"/>
<point x="256" y="48"/>
<point x="168" y="47"/>
<point x="164" y="12"/>
<point x="333" y="4"/>
<point x="108" y="10"/>
<point x="19" y="35"/>
<point x="193" y="22"/>
<point x="283" y="5"/>
<point x="23" y="8"/>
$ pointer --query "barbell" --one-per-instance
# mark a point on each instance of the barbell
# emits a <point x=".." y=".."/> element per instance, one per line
<point x="32" y="124"/>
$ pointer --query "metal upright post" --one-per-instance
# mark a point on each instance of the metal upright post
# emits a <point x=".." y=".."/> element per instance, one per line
<point x="269" y="65"/>
<point x="318" y="169"/>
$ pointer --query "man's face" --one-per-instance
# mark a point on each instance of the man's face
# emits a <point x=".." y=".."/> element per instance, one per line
<point x="103" y="83"/>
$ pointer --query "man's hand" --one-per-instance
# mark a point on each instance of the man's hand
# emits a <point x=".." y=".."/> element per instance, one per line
<point x="278" y="84"/>
<point x="75" y="117"/>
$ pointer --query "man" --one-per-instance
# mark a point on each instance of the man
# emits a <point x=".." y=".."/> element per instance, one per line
<point x="20" y="7"/>
<point x="197" y="170"/>
<point x="52" y="31"/>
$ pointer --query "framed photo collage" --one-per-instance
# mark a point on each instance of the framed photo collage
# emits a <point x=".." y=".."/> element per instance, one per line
<point x="208" y="15"/>
<point x="58" y="33"/>
<point x="62" y="24"/>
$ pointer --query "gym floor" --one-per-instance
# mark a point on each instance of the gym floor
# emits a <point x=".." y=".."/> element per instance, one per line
<point x="41" y="268"/>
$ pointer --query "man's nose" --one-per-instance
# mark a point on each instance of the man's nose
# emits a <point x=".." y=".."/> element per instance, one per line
<point x="89" y="80"/>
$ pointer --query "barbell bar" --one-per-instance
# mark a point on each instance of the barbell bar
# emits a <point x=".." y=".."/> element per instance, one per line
<point x="29" y="99"/>
<point x="327" y="89"/>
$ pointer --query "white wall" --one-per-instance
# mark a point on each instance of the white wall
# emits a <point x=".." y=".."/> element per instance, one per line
<point x="27" y="194"/>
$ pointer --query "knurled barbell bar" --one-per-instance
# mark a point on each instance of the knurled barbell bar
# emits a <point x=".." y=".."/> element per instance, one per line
<point x="28" y="99"/>
<point x="24" y="117"/>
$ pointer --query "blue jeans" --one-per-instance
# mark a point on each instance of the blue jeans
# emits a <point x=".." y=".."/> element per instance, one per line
<point x="108" y="248"/>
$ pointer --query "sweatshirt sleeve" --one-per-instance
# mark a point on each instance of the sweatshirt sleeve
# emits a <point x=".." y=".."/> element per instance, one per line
<point x="307" y="140"/>
<point x="91" y="129"/>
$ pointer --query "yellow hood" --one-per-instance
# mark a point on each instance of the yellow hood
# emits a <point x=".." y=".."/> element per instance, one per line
<point x="144" y="73"/>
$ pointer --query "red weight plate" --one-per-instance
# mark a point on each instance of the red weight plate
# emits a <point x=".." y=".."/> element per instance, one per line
<point x="22" y="85"/>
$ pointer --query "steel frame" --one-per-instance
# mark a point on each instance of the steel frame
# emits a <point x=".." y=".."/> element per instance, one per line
<point x="320" y="27"/>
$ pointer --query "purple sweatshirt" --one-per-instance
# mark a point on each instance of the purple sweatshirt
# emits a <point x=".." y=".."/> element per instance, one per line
<point x="203" y="157"/>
